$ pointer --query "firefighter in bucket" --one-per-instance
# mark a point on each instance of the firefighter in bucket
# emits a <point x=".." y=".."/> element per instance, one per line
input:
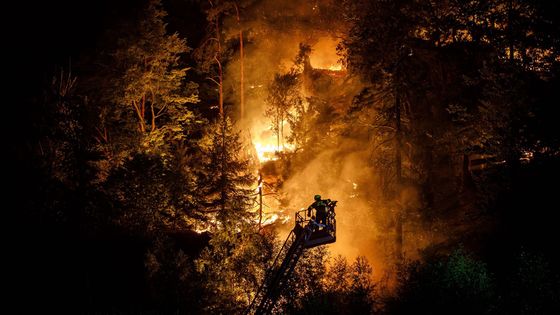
<point x="321" y="211"/>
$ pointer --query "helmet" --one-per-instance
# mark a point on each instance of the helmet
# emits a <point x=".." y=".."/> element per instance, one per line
<point x="317" y="197"/>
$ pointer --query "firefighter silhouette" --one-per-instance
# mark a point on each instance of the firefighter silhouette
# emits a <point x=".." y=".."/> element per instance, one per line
<point x="320" y="207"/>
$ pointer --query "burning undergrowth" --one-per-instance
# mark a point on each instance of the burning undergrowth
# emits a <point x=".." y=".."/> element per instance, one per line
<point x="305" y="139"/>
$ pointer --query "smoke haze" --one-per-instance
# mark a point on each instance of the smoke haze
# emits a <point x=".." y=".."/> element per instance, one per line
<point x="273" y="31"/>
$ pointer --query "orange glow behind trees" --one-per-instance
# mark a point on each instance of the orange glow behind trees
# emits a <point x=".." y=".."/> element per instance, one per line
<point x="156" y="178"/>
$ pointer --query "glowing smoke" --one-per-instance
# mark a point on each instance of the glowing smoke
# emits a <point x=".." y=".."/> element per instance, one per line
<point x="365" y="223"/>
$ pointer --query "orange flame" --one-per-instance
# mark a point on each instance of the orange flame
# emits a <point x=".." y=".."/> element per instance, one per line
<point x="268" y="152"/>
<point x="336" y="67"/>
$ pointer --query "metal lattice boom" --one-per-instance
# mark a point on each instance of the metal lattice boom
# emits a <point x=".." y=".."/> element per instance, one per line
<point x="306" y="234"/>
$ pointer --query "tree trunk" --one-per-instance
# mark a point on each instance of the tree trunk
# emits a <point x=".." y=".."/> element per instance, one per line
<point x="282" y="130"/>
<point x="278" y="128"/>
<point x="223" y="194"/>
<point x="510" y="30"/>
<point x="398" y="170"/>
<point x="138" y="111"/>
<point x="220" y="72"/>
<point x="153" y="120"/>
<point x="242" y="67"/>
<point x="278" y="141"/>
<point x="153" y="117"/>
<point x="143" y="112"/>
<point x="242" y="75"/>
<point x="260" y="200"/>
<point x="398" y="138"/>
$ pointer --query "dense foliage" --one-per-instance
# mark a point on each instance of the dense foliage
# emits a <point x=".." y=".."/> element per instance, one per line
<point x="134" y="184"/>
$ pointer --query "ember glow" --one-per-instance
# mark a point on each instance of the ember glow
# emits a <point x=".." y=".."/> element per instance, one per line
<point x="324" y="55"/>
<point x="269" y="152"/>
<point x="336" y="67"/>
<point x="162" y="154"/>
<point x="265" y="141"/>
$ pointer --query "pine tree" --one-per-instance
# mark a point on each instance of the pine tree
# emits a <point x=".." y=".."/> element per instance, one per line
<point x="225" y="179"/>
<point x="236" y="259"/>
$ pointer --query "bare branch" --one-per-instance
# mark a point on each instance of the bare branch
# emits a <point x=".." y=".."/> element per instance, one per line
<point x="213" y="80"/>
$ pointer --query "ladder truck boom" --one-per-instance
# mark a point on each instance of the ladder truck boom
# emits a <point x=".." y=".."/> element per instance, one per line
<point x="306" y="234"/>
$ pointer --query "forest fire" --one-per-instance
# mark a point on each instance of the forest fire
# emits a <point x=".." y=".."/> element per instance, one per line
<point x="176" y="174"/>
<point x="323" y="55"/>
<point x="336" y="67"/>
<point x="269" y="152"/>
<point x="273" y="218"/>
<point x="268" y="146"/>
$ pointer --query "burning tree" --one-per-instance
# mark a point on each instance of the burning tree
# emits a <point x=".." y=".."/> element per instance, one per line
<point x="283" y="96"/>
<point x="123" y="163"/>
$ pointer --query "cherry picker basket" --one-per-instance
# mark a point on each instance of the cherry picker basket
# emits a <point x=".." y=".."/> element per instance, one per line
<point x="321" y="234"/>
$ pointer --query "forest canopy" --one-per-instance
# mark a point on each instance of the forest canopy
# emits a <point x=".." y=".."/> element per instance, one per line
<point x="159" y="150"/>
